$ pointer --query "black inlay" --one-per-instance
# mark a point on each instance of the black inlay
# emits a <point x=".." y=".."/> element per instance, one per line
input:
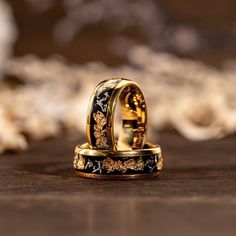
<point x="94" y="165"/>
<point x="103" y="98"/>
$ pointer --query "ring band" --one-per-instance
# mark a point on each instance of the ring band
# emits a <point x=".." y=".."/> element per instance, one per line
<point x="120" y="164"/>
<point x="100" y="119"/>
<point x="129" y="157"/>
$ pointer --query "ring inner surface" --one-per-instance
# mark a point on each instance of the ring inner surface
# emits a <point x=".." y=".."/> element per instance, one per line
<point x="133" y="115"/>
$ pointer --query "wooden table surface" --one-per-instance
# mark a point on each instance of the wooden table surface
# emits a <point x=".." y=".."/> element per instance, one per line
<point x="40" y="193"/>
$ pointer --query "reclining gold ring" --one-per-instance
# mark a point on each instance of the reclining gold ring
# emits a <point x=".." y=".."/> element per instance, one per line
<point x="100" y="117"/>
<point x="120" y="164"/>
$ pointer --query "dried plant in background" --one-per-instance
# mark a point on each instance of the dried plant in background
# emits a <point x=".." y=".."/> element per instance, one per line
<point x="144" y="17"/>
<point x="8" y="33"/>
<point x="195" y="99"/>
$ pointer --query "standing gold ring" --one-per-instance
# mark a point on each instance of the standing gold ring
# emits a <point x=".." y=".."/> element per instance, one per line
<point x="100" y="118"/>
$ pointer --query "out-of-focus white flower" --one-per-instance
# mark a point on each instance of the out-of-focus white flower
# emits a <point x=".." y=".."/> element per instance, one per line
<point x="8" y="34"/>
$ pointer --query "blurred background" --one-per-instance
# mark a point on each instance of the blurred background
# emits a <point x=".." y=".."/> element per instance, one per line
<point x="181" y="53"/>
<point x="52" y="54"/>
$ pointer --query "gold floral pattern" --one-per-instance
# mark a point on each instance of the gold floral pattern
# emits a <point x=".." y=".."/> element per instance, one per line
<point x="102" y="100"/>
<point x="159" y="164"/>
<point x="99" y="131"/>
<point x="110" y="165"/>
<point x="79" y="162"/>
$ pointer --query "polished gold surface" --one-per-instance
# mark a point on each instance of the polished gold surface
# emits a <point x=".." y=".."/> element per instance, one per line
<point x="120" y="164"/>
<point x="149" y="149"/>
<point x="133" y="116"/>
<point x="129" y="157"/>
<point x="117" y="177"/>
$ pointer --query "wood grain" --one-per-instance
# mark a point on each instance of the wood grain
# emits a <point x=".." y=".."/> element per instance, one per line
<point x="40" y="193"/>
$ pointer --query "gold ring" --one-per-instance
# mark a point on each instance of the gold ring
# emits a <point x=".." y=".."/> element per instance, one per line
<point x="100" y="118"/>
<point x="119" y="164"/>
